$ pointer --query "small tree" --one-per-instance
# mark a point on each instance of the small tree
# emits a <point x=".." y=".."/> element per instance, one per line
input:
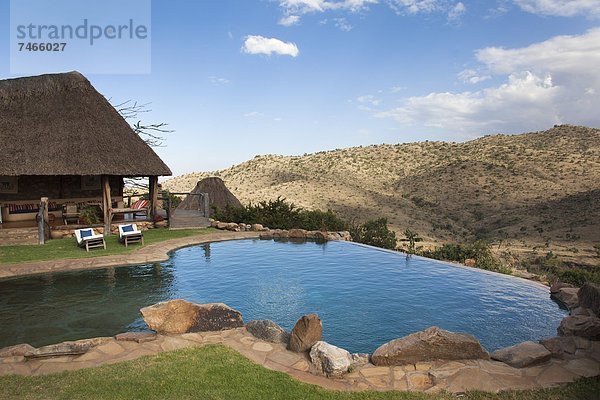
<point x="412" y="238"/>
<point x="375" y="233"/>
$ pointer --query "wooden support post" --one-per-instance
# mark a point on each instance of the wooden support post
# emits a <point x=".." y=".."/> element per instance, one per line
<point x="153" y="196"/>
<point x="106" y="204"/>
<point x="42" y="218"/>
<point x="169" y="210"/>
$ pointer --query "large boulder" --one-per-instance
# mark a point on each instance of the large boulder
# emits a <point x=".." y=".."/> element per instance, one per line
<point x="589" y="297"/>
<point x="16" y="350"/>
<point x="560" y="346"/>
<point x="556" y="286"/>
<point x="297" y="234"/>
<point x="580" y="325"/>
<point x="431" y="344"/>
<point x="522" y="355"/>
<point x="268" y="331"/>
<point x="330" y="360"/>
<point x="307" y="331"/>
<point x="180" y="316"/>
<point x="567" y="296"/>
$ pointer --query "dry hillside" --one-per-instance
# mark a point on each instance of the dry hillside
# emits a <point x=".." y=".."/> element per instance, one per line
<point x="530" y="193"/>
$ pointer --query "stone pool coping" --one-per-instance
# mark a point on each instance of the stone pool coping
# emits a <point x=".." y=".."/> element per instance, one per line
<point x="453" y="376"/>
<point x="156" y="252"/>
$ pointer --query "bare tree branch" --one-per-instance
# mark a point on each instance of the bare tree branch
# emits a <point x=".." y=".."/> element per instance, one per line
<point x="152" y="134"/>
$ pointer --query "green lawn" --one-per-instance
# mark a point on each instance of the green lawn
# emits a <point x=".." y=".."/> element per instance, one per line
<point x="67" y="248"/>
<point x="217" y="372"/>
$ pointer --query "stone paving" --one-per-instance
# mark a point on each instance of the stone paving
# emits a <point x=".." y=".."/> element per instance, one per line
<point x="453" y="376"/>
<point x="156" y="252"/>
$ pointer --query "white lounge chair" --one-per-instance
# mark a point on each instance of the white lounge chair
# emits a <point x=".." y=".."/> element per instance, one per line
<point x="129" y="233"/>
<point x="89" y="239"/>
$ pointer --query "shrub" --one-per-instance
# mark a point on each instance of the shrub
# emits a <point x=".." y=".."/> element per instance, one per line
<point x="375" y="233"/>
<point x="90" y="215"/>
<point x="480" y="251"/>
<point x="175" y="200"/>
<point x="279" y="214"/>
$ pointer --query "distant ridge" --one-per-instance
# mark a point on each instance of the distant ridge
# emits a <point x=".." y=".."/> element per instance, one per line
<point x="532" y="192"/>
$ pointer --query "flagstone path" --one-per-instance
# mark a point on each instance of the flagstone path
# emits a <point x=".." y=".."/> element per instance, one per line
<point x="453" y="376"/>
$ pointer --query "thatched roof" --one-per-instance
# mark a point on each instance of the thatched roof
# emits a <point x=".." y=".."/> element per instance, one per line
<point x="59" y="124"/>
<point x="218" y="195"/>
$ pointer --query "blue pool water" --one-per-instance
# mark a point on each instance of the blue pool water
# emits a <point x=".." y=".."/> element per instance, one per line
<point x="364" y="296"/>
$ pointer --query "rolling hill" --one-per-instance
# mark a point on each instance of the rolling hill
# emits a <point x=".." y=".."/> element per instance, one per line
<point x="529" y="193"/>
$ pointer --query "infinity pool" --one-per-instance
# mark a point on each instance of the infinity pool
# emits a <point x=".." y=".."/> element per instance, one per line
<point x="364" y="296"/>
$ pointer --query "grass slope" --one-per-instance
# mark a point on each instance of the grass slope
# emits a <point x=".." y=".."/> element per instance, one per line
<point x="217" y="372"/>
<point x="534" y="192"/>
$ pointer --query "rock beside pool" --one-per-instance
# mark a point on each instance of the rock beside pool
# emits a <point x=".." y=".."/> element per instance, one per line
<point x="580" y="325"/>
<point x="297" y="234"/>
<point x="138" y="337"/>
<point x="63" y="349"/>
<point x="280" y="234"/>
<point x="429" y="345"/>
<point x="560" y="346"/>
<point x="16" y="350"/>
<point x="567" y="296"/>
<point x="522" y="355"/>
<point x="307" y="331"/>
<point x="268" y="235"/>
<point x="589" y="297"/>
<point x="556" y="286"/>
<point x="268" y="331"/>
<point x="330" y="360"/>
<point x="180" y="316"/>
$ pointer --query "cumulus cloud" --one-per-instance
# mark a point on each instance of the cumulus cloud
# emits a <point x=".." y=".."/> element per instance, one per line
<point x="215" y="80"/>
<point x="253" y="114"/>
<point x="307" y="6"/>
<point x="343" y="24"/>
<point x="261" y="45"/>
<point x="415" y="6"/>
<point x="561" y="8"/>
<point x="555" y="81"/>
<point x="457" y="11"/>
<point x="369" y="99"/>
<point x="471" y="76"/>
<point x="289" y="20"/>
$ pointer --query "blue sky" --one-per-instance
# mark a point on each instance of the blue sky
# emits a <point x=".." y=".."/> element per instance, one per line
<point x="235" y="79"/>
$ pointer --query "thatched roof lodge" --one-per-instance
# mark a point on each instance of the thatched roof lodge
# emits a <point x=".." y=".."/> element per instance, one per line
<point x="61" y="139"/>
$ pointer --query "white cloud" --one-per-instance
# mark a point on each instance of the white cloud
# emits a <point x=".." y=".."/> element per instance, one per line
<point x="262" y="45"/>
<point x="368" y="99"/>
<point x="457" y="11"/>
<point x="215" y="80"/>
<point x="254" y="114"/>
<point x="472" y="76"/>
<point x="289" y="20"/>
<point x="343" y="24"/>
<point x="525" y="96"/>
<point x="561" y="8"/>
<point x="555" y="81"/>
<point x="415" y="6"/>
<point x="307" y="6"/>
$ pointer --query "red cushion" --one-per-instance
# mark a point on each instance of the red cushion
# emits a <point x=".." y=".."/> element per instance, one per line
<point x="140" y="204"/>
